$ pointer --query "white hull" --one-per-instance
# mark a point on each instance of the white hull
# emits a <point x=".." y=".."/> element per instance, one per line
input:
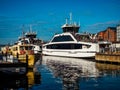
<point x="70" y="53"/>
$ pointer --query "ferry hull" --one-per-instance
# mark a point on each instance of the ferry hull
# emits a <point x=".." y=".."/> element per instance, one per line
<point x="77" y="54"/>
<point x="31" y="59"/>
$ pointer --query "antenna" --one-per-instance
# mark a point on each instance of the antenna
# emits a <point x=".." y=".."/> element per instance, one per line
<point x="23" y="32"/>
<point x="70" y="18"/>
<point x="66" y="21"/>
<point x="30" y="28"/>
<point x="79" y="24"/>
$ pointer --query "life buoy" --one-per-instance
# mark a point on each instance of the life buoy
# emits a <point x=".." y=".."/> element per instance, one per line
<point x="22" y="52"/>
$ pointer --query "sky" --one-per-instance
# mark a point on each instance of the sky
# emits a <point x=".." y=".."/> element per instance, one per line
<point x="47" y="16"/>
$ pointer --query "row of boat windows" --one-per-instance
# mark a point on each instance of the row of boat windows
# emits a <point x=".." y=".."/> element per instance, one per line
<point x="23" y="48"/>
<point x="67" y="46"/>
<point x="62" y="38"/>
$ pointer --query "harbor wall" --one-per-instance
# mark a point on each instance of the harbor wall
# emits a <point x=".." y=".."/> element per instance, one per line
<point x="110" y="58"/>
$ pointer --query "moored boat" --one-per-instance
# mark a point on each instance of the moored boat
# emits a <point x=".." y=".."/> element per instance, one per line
<point x="30" y="37"/>
<point x="66" y="45"/>
<point x="71" y="44"/>
<point x="20" y="52"/>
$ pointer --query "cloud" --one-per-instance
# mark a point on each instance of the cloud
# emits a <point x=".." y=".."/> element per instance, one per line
<point x="105" y="23"/>
<point x="94" y="28"/>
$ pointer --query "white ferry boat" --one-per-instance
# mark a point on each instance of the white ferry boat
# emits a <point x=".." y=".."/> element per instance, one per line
<point x="70" y="43"/>
<point x="65" y="44"/>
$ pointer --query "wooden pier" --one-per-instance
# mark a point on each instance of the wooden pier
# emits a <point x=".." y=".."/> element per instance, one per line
<point x="13" y="68"/>
<point x="108" y="58"/>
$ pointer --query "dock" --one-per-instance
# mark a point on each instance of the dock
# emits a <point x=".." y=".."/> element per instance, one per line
<point x="112" y="58"/>
<point x="12" y="66"/>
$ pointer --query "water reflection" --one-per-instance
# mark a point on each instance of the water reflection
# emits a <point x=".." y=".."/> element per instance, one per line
<point x="10" y="82"/>
<point x="108" y="69"/>
<point x="33" y="78"/>
<point x="64" y="73"/>
<point x="83" y="74"/>
<point x="20" y="82"/>
<point x="70" y="70"/>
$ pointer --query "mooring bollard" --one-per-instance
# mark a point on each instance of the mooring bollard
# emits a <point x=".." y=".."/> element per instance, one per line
<point x="6" y="56"/>
<point x="17" y="55"/>
<point x="26" y="58"/>
<point x="26" y="63"/>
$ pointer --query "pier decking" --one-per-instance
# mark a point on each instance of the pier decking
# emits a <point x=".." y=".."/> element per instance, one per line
<point x="11" y="66"/>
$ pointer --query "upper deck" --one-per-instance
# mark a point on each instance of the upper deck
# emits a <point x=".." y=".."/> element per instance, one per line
<point x="71" y="37"/>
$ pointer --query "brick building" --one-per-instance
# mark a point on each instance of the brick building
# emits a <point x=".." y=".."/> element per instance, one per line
<point x="107" y="35"/>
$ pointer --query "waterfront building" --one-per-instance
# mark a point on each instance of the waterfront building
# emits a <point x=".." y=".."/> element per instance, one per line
<point x="107" y="35"/>
<point x="118" y="32"/>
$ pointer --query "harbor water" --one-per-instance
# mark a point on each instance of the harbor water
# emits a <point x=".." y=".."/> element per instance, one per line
<point x="61" y="73"/>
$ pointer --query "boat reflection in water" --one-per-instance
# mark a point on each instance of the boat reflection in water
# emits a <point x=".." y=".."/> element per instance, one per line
<point x="21" y="82"/>
<point x="70" y="70"/>
<point x="108" y="69"/>
<point x="76" y="73"/>
<point x="33" y="78"/>
<point x="12" y="83"/>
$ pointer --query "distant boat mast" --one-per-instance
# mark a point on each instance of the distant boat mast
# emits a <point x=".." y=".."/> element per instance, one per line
<point x="30" y="30"/>
<point x="70" y="18"/>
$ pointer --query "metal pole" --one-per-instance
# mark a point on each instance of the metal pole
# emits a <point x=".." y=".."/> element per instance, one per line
<point x="26" y="63"/>
<point x="17" y="55"/>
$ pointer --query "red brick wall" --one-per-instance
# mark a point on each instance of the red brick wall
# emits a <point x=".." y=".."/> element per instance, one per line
<point x="107" y="35"/>
<point x="101" y="36"/>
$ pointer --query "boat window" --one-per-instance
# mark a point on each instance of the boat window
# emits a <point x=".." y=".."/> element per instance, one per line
<point x="25" y="41"/>
<point x="14" y="48"/>
<point x="65" y="46"/>
<point x="26" y="48"/>
<point x="21" y="48"/>
<point x="40" y="47"/>
<point x="62" y="38"/>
